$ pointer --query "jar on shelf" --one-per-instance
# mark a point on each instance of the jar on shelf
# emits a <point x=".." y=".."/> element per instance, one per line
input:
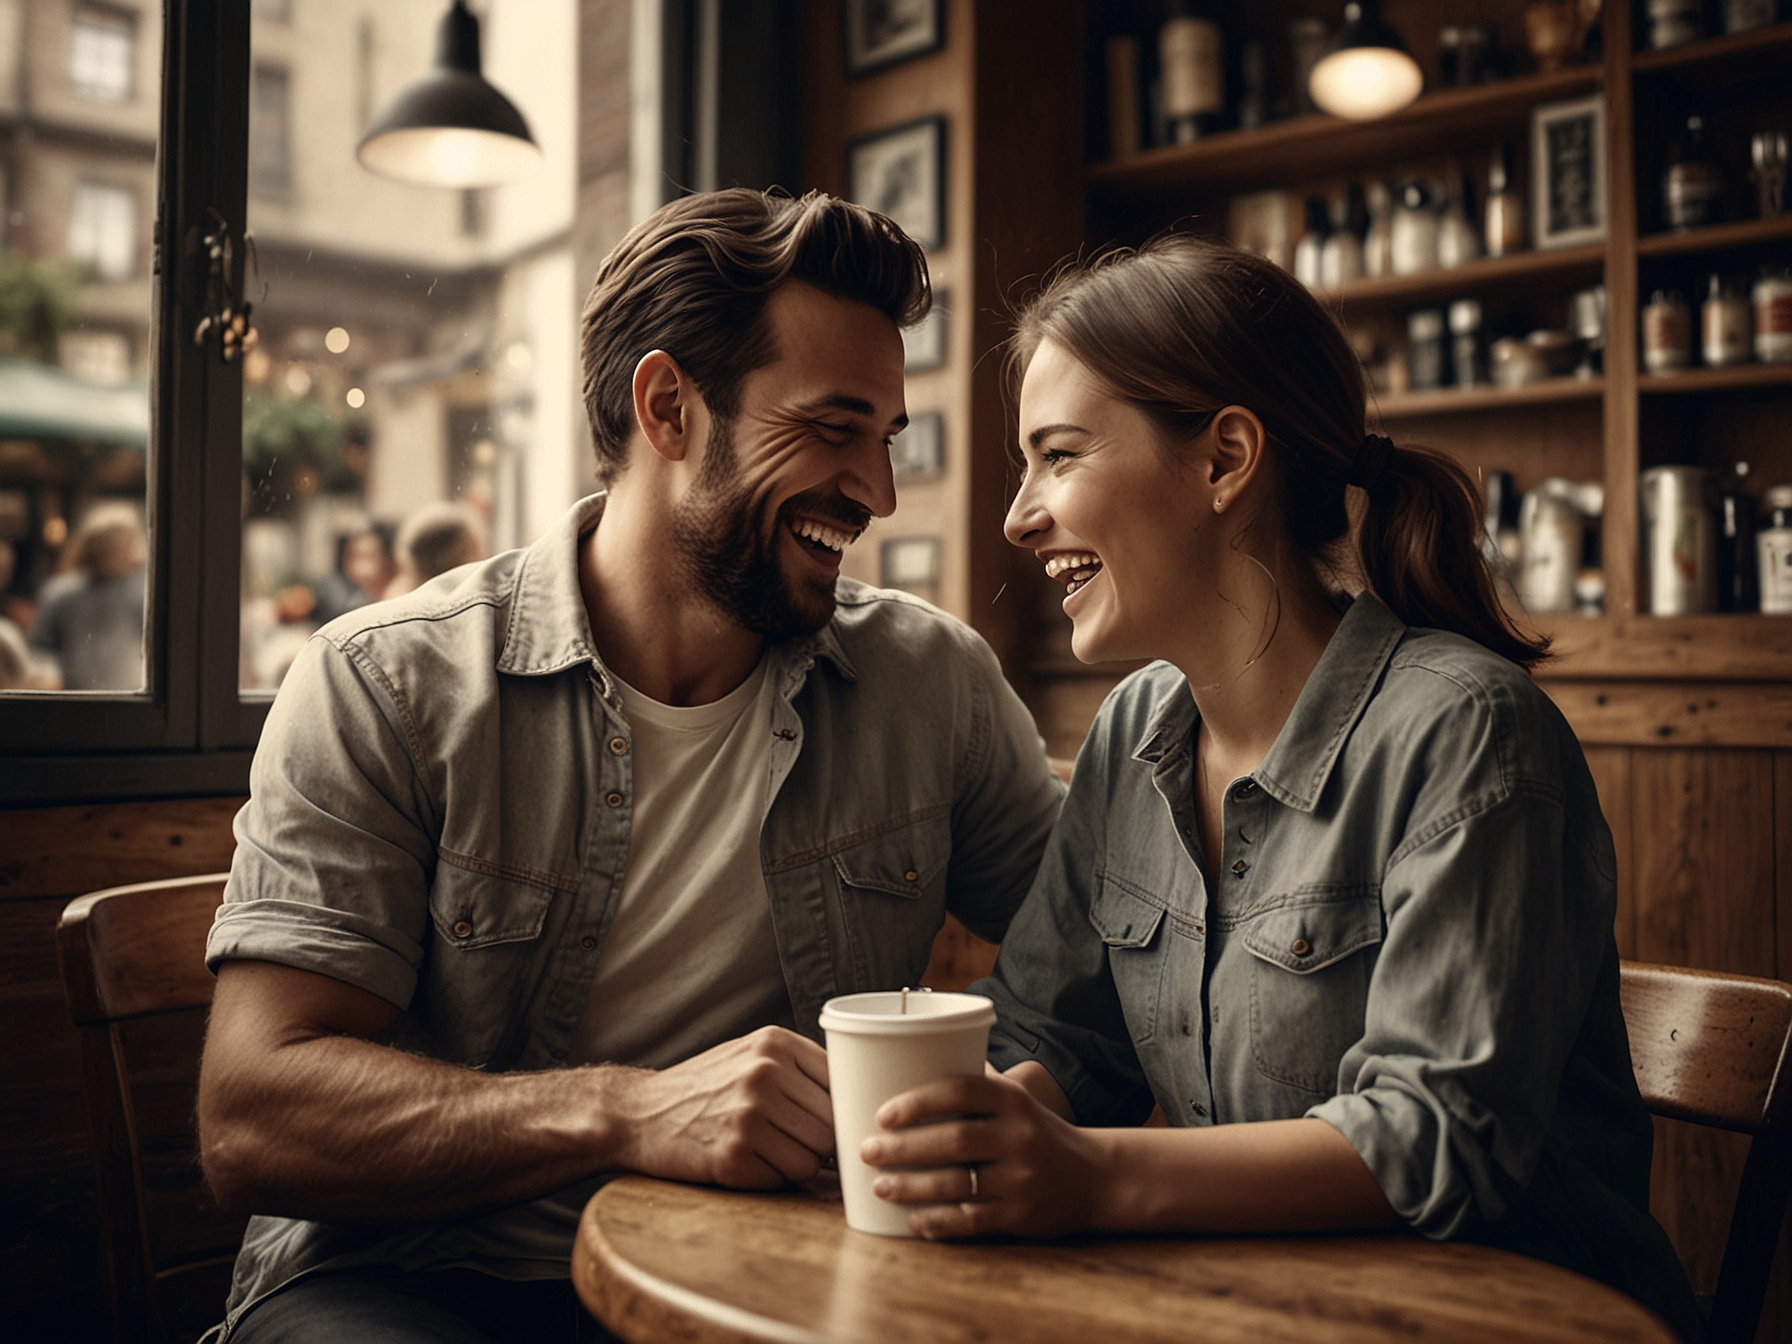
<point x="1692" y="184"/>
<point x="1742" y="15"/>
<point x="1425" y="349"/>
<point x="1551" y="534"/>
<point x="1679" y="540"/>
<point x="1773" y="551"/>
<point x="1414" y="242"/>
<point x="1468" y="349"/>
<point x="1726" y="331"/>
<point x="1773" y="315"/>
<point x="1674" y="22"/>
<point x="1667" y="332"/>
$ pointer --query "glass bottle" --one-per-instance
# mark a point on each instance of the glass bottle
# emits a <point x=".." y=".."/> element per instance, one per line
<point x="1738" y="582"/>
<point x="1773" y="552"/>
<point x="1310" y="246"/>
<point x="1458" y="240"/>
<point x="1772" y="297"/>
<point x="1341" y="257"/>
<point x="1692" y="185"/>
<point x="1667" y="332"/>
<point x="1468" y="349"/>
<point x="1414" y="228"/>
<point x="1726" y="331"/>
<point x="1378" y="242"/>
<point x="1505" y="206"/>
<point x="1192" y="71"/>
<point x="1425" y="349"/>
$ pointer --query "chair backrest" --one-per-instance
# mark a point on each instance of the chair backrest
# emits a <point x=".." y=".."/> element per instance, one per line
<point x="1712" y="1049"/>
<point x="133" y="969"/>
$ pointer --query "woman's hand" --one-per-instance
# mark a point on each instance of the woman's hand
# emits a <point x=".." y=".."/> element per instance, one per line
<point x="1037" y="1175"/>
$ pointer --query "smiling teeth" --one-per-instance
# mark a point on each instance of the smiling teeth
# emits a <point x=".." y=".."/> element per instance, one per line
<point x="1060" y="565"/>
<point x="822" y="535"/>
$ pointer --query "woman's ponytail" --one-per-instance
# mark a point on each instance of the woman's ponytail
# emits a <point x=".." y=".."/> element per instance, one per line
<point x="1419" y="546"/>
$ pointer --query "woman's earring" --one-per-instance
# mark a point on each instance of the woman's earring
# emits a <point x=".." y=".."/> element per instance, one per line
<point x="1219" y="504"/>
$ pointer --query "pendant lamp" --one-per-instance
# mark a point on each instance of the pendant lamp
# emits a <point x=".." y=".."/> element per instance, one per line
<point x="1366" y="72"/>
<point x="450" y="128"/>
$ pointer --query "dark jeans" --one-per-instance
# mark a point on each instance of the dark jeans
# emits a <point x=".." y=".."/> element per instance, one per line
<point x="448" y="1306"/>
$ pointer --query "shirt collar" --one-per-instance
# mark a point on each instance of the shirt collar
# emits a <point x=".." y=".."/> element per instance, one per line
<point x="1340" y="686"/>
<point x="550" y="630"/>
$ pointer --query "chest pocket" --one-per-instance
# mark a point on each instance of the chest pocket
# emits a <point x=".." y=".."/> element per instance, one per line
<point x="1310" y="971"/>
<point x="1137" y="956"/>
<point x="891" y="894"/>
<point x="483" y="958"/>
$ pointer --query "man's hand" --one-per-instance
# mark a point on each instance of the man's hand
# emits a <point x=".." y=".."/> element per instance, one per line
<point x="751" y="1113"/>
<point x="1037" y="1174"/>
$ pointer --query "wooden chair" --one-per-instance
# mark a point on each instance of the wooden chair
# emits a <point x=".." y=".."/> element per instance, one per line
<point x="133" y="969"/>
<point x="1712" y="1049"/>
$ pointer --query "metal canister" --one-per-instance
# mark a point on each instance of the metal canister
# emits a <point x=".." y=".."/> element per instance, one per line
<point x="1551" y="533"/>
<point x="1679" y="540"/>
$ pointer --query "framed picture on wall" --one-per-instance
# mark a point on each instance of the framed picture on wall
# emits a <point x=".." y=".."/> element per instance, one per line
<point x="924" y="344"/>
<point x="911" y="564"/>
<point x="883" y="32"/>
<point x="920" y="449"/>
<point x="1568" y="172"/>
<point x="902" y="173"/>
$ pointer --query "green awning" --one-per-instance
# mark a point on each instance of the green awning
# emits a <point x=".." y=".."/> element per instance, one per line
<point x="41" y="402"/>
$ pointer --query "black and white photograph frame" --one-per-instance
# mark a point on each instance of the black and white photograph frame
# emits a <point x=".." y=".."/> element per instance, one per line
<point x="881" y="33"/>
<point x="924" y="344"/>
<point x="920" y="449"/>
<point x="1568" y="205"/>
<point x="911" y="564"/>
<point x="902" y="173"/>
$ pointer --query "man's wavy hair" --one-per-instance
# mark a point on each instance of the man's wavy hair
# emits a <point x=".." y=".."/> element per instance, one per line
<point x="694" y="277"/>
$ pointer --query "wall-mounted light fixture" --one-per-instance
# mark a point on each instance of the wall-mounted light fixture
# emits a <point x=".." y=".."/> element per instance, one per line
<point x="1366" y="72"/>
<point x="450" y="128"/>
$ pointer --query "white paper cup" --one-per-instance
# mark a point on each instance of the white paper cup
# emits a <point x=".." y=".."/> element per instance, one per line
<point x="875" y="1052"/>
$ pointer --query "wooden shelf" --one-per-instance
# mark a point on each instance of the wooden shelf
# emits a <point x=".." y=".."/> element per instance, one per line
<point x="1739" y="647"/>
<point x="1549" y="271"/>
<point x="1716" y="237"/>
<point x="1454" y="401"/>
<point x="1302" y="148"/>
<point x="1717" y="380"/>
<point x="1716" y="62"/>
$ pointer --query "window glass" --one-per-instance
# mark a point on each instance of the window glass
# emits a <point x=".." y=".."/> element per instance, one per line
<point x="102" y="54"/>
<point x="75" y="329"/>
<point x="411" y="398"/>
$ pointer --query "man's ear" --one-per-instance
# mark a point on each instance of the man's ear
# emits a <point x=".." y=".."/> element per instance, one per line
<point x="664" y="404"/>
<point x="1239" y="443"/>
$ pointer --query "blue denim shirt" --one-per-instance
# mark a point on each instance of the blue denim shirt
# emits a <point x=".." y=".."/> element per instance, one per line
<point x="1407" y="933"/>
<point x="441" y="803"/>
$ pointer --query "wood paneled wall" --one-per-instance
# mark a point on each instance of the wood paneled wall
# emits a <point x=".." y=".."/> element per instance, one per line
<point x="50" y="1284"/>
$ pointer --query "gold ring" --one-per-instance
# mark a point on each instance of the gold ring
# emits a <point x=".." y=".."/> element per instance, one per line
<point x="972" y="1168"/>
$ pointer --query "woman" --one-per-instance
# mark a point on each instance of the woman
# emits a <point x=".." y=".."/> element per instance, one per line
<point x="1332" y="885"/>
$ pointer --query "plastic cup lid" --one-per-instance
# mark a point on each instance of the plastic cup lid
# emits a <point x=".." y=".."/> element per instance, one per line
<point x="880" y="1013"/>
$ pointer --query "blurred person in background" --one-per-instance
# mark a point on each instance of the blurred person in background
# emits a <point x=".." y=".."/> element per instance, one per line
<point x="90" y="613"/>
<point x="365" y="568"/>
<point x="435" y="539"/>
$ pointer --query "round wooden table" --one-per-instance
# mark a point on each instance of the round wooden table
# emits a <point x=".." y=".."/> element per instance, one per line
<point x="657" y="1261"/>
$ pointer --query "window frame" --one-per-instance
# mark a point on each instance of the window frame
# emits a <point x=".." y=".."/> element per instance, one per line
<point x="189" y="731"/>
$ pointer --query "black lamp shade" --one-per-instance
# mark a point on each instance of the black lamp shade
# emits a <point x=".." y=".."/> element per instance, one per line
<point x="451" y="128"/>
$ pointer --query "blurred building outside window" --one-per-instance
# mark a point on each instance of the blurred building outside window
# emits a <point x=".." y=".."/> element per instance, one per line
<point x="270" y="130"/>
<point x="102" y="53"/>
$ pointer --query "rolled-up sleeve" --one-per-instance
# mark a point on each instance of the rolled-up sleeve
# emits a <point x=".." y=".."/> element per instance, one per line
<point x="333" y="849"/>
<point x="1497" y="924"/>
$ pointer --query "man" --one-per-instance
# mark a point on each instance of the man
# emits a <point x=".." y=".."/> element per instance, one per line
<point x="549" y="866"/>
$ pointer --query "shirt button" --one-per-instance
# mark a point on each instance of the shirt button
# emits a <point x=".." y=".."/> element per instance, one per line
<point x="614" y="799"/>
<point x="1197" y="1108"/>
<point x="1300" y="947"/>
<point x="462" y="929"/>
<point x="1240" y="868"/>
<point x="587" y="943"/>
<point x="1244" y="790"/>
<point x="618" y="745"/>
<point x="911" y="876"/>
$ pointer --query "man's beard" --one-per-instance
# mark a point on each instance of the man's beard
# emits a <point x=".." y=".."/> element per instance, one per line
<point x="729" y="549"/>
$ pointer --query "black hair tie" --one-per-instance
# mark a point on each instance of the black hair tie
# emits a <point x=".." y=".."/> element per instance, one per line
<point x="1370" y="460"/>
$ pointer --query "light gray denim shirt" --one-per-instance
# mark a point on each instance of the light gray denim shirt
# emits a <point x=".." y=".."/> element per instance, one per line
<point x="1407" y="933"/>
<point x="441" y="802"/>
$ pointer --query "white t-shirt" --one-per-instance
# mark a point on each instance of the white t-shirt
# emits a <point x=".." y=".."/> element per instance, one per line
<point x="690" y="959"/>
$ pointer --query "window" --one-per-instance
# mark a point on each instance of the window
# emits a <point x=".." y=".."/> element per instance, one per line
<point x="270" y="131"/>
<point x="102" y="229"/>
<point x="102" y="54"/>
